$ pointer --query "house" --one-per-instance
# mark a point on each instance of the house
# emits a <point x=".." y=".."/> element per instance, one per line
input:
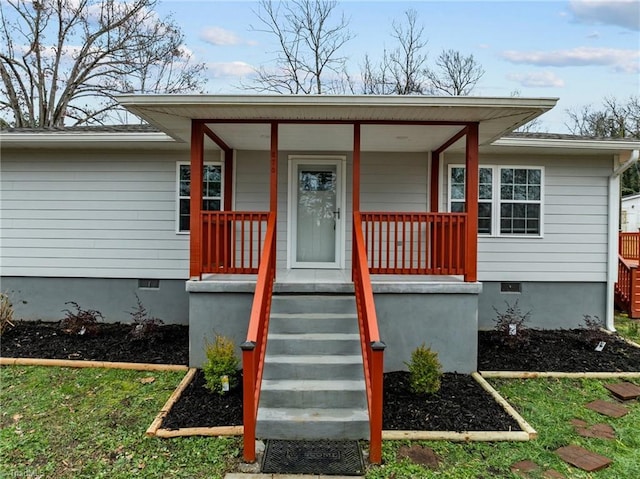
<point x="630" y="214"/>
<point x="429" y="210"/>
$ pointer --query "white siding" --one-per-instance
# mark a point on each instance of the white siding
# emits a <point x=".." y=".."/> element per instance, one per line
<point x="93" y="213"/>
<point x="574" y="245"/>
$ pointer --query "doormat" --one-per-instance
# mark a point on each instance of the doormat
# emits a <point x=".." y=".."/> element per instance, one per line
<point x="313" y="457"/>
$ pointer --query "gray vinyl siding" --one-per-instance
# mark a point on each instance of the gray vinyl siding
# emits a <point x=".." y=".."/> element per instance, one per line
<point x="575" y="223"/>
<point x="390" y="182"/>
<point x="75" y="213"/>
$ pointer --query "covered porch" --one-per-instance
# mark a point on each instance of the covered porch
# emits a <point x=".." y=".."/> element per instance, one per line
<point x="340" y="195"/>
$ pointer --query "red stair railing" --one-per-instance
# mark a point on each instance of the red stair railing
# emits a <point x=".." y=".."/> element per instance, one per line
<point x="253" y="349"/>
<point x="372" y="346"/>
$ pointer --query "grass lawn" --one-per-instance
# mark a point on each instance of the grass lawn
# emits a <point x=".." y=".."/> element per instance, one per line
<point x="628" y="328"/>
<point x="90" y="423"/>
<point x="548" y="405"/>
<point x="75" y="423"/>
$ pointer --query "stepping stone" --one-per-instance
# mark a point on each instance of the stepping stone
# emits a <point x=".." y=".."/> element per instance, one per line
<point x="607" y="408"/>
<point x="625" y="391"/>
<point x="523" y="468"/>
<point x="581" y="458"/>
<point x="599" y="431"/>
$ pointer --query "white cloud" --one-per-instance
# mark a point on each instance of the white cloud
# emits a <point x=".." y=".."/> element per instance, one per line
<point x="544" y="79"/>
<point x="230" y="69"/>
<point x="623" y="61"/>
<point x="623" y="13"/>
<point x="221" y="37"/>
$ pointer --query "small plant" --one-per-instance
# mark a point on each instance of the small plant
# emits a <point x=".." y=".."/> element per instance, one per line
<point x="425" y="371"/>
<point x="81" y="321"/>
<point x="511" y="325"/>
<point x="6" y="312"/>
<point x="221" y="362"/>
<point x="144" y="326"/>
<point x="592" y="327"/>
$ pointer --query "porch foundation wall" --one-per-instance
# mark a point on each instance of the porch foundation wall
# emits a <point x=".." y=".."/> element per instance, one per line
<point x="553" y="305"/>
<point x="446" y="323"/>
<point x="212" y="313"/>
<point x="39" y="298"/>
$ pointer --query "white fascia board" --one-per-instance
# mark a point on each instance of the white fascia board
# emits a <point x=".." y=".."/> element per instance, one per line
<point x="577" y="144"/>
<point x="57" y="138"/>
<point x="346" y="100"/>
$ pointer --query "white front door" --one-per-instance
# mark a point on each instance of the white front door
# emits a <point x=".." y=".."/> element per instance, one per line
<point x="316" y="212"/>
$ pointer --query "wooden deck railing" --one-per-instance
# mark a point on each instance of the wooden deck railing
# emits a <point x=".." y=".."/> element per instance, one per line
<point x="232" y="241"/>
<point x="627" y="289"/>
<point x="629" y="245"/>
<point x="372" y="346"/>
<point x="415" y="243"/>
<point x="253" y="349"/>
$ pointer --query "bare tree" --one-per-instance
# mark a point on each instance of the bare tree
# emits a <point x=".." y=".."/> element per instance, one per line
<point x="63" y="61"/>
<point x="614" y="120"/>
<point x="455" y="74"/>
<point x="400" y="71"/>
<point x="534" y="126"/>
<point x="308" y="59"/>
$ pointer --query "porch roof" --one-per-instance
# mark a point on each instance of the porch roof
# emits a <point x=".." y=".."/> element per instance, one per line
<point x="390" y="123"/>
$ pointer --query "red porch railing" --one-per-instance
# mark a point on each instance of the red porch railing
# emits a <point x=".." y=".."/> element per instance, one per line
<point x="629" y="245"/>
<point x="253" y="349"/>
<point x="372" y="347"/>
<point x="232" y="241"/>
<point x="415" y="243"/>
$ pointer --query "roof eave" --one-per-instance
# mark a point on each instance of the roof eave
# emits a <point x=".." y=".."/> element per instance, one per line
<point x="585" y="144"/>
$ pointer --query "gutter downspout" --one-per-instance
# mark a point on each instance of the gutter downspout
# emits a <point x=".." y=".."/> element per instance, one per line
<point x="614" y="222"/>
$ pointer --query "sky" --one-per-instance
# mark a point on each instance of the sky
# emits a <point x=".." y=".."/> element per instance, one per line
<point x="579" y="51"/>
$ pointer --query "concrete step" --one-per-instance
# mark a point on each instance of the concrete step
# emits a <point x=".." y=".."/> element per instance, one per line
<point x="314" y="343"/>
<point x="313" y="303"/>
<point x="310" y="393"/>
<point x="312" y="423"/>
<point x="313" y="323"/>
<point x="318" y="366"/>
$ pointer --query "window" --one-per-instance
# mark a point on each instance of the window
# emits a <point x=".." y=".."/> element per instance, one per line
<point x="211" y="191"/>
<point x="512" y="208"/>
<point x="485" y="196"/>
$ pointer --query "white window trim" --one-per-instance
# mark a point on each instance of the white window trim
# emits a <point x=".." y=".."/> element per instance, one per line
<point x="177" y="190"/>
<point x="496" y="201"/>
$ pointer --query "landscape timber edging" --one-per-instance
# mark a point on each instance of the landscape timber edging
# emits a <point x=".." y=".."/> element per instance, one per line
<point x="557" y="374"/>
<point x="78" y="363"/>
<point x="155" y="430"/>
<point x="526" y="434"/>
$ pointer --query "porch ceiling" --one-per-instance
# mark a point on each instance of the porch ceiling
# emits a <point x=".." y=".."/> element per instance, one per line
<point x="236" y="119"/>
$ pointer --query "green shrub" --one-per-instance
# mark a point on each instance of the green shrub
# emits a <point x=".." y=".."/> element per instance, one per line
<point x="425" y="371"/>
<point x="6" y="312"/>
<point x="221" y="361"/>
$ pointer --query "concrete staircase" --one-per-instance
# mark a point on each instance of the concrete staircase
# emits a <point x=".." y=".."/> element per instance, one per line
<point x="313" y="383"/>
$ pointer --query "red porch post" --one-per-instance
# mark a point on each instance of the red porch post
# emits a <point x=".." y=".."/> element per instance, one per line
<point x="471" y="195"/>
<point x="435" y="176"/>
<point x="228" y="180"/>
<point x="355" y="179"/>
<point x="195" y="203"/>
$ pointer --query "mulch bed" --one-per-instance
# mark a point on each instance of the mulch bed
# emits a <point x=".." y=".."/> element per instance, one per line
<point x="114" y="342"/>
<point x="460" y="405"/>
<point x="570" y="350"/>
<point x="199" y="407"/>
